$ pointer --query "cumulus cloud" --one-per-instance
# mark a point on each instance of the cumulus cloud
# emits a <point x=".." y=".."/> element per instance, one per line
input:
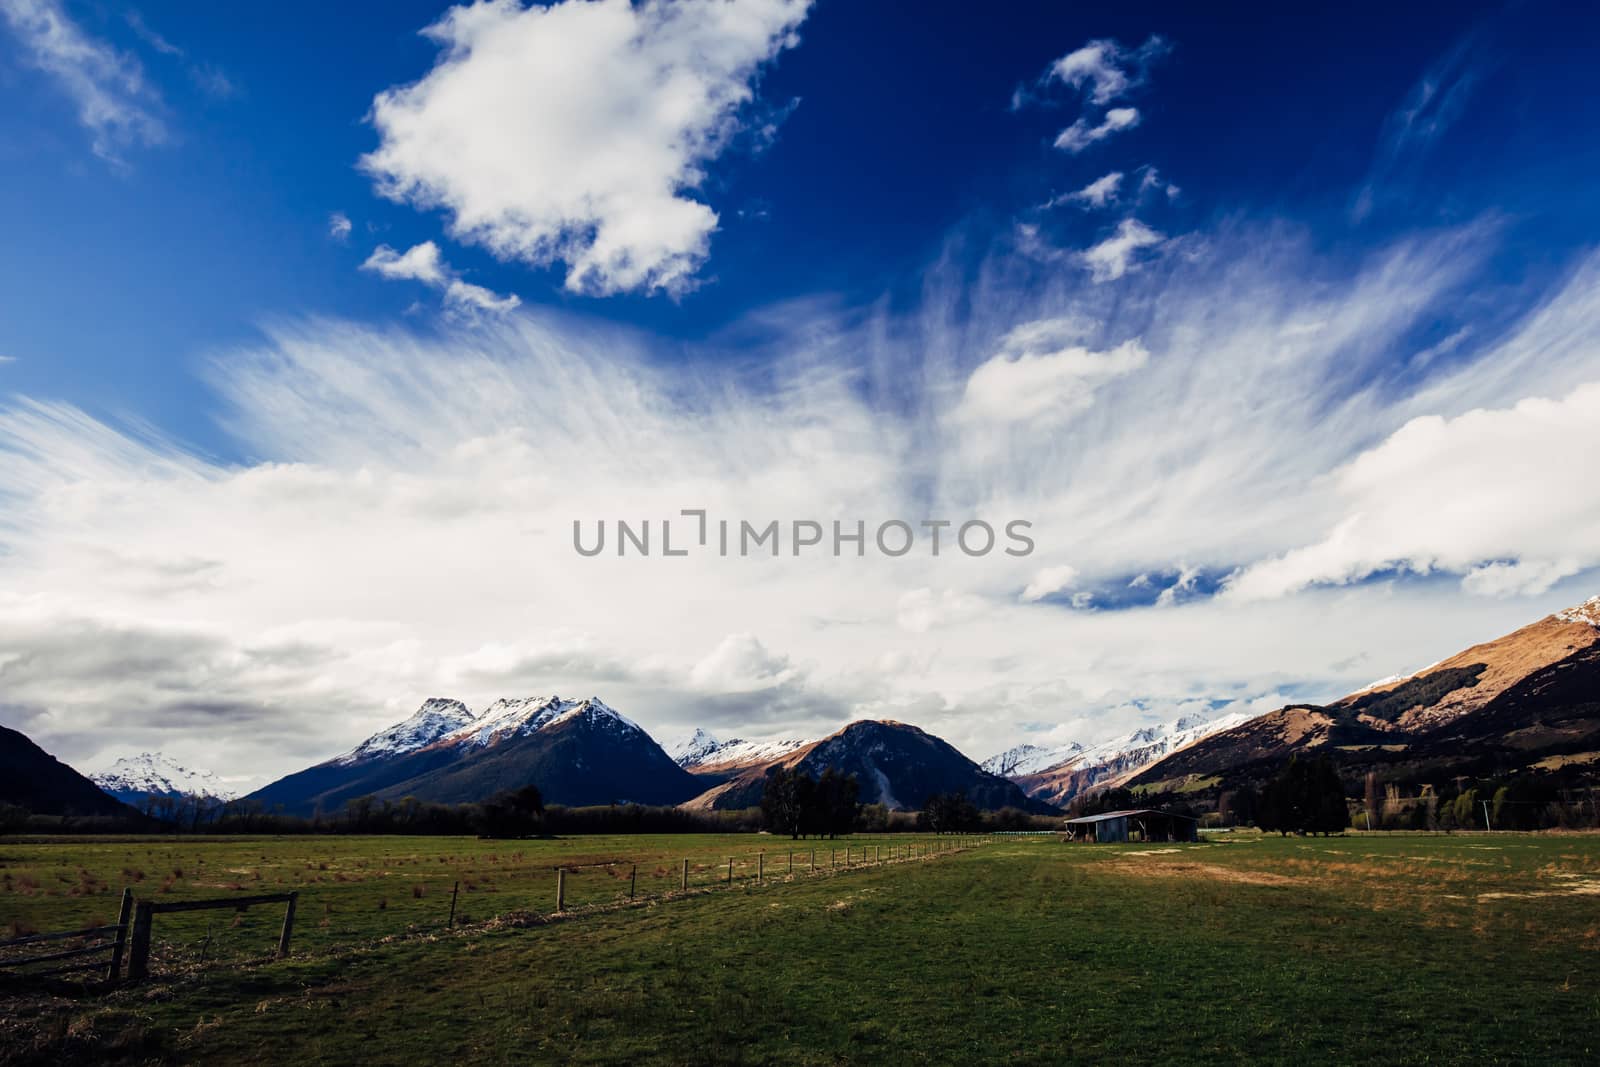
<point x="741" y="663"/>
<point x="1083" y="133"/>
<point x="1049" y="581"/>
<point x="1119" y="253"/>
<point x="339" y="226"/>
<point x="1488" y="494"/>
<point x="1040" y="374"/>
<point x="423" y="263"/>
<point x="115" y="103"/>
<point x="579" y="132"/>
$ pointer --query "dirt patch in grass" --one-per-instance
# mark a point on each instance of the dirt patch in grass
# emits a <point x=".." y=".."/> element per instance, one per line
<point x="1210" y="871"/>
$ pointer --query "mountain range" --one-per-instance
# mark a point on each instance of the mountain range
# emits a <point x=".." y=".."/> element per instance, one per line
<point x="1525" y="703"/>
<point x="895" y="764"/>
<point x="1056" y="775"/>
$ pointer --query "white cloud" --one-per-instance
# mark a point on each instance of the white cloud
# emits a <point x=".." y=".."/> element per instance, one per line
<point x="1083" y="133"/>
<point x="263" y="613"/>
<point x="1039" y="374"/>
<point x="423" y="263"/>
<point x="1108" y="70"/>
<point x="1098" y="193"/>
<point x="578" y="132"/>
<point x="1152" y="181"/>
<point x="1431" y="107"/>
<point x="1119" y="253"/>
<point x="339" y="226"/>
<point x="419" y="263"/>
<point x="8" y="359"/>
<point x="1049" y="581"/>
<point x="1489" y="494"/>
<point x="741" y="663"/>
<point x="921" y="610"/>
<point x="115" y="103"/>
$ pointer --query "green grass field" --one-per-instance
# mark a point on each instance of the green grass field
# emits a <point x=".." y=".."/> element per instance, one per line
<point x="1364" y="948"/>
<point x="354" y="890"/>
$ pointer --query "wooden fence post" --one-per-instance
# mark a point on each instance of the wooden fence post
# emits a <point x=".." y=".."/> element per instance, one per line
<point x="561" y="889"/>
<point x="685" y="874"/>
<point x="730" y="870"/>
<point x="813" y="861"/>
<point x="633" y="881"/>
<point x="288" y="925"/>
<point x="139" y="951"/>
<point x="791" y="861"/>
<point x="761" y="867"/>
<point x="453" y="894"/>
<point x="123" y="916"/>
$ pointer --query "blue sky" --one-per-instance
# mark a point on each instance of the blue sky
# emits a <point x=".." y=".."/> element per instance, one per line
<point x="905" y="266"/>
<point x="119" y="278"/>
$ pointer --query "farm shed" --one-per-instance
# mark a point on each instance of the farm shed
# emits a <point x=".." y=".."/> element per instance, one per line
<point x="1140" y="824"/>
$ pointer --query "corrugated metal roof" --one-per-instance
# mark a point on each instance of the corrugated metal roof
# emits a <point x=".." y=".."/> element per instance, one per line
<point x="1131" y="811"/>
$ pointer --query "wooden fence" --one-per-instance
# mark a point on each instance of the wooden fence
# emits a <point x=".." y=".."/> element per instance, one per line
<point x="147" y="910"/>
<point x="107" y="941"/>
<point x="131" y="935"/>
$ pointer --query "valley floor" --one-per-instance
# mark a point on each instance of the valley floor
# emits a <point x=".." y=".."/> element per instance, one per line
<point x="1468" y="948"/>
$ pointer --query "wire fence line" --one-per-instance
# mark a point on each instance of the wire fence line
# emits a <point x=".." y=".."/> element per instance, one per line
<point x="191" y="934"/>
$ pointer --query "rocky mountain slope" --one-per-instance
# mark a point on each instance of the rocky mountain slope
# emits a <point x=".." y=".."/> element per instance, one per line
<point x="36" y="781"/>
<point x="1525" y="702"/>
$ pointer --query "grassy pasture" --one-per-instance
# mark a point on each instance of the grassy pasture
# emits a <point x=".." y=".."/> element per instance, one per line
<point x="354" y="890"/>
<point x="1470" y="948"/>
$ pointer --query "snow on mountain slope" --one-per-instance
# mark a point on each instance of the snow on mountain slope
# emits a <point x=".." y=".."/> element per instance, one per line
<point x="436" y="718"/>
<point x="153" y="774"/>
<point x="704" y="750"/>
<point x="521" y="716"/>
<point x="1151" y="743"/>
<point x="1587" y="612"/>
<point x="1114" y="761"/>
<point x="1029" y="759"/>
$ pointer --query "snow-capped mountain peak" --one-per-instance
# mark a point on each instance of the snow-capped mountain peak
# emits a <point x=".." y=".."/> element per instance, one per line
<point x="693" y="750"/>
<point x="596" y="711"/>
<point x="153" y="774"/>
<point x="521" y="716"/>
<point x="436" y="718"/>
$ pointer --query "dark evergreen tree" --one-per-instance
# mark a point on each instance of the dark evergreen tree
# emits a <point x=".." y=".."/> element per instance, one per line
<point x="1306" y="797"/>
<point x="948" y="813"/>
<point x="512" y="813"/>
<point x="837" y="806"/>
<point x="786" y="800"/>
